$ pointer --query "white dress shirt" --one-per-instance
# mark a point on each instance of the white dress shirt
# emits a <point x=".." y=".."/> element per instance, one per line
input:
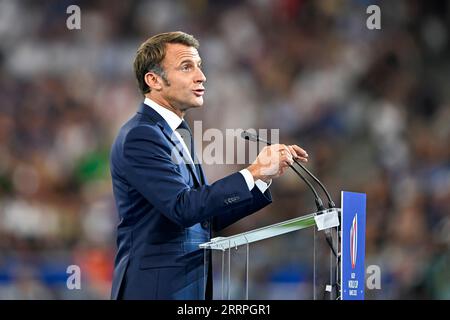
<point x="173" y="120"/>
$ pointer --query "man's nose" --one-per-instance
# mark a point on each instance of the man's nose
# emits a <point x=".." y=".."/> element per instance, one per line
<point x="200" y="76"/>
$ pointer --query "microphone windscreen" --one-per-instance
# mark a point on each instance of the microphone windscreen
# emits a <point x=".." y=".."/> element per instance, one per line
<point x="245" y="135"/>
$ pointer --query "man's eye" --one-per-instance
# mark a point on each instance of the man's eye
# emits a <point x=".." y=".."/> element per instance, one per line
<point x="186" y="67"/>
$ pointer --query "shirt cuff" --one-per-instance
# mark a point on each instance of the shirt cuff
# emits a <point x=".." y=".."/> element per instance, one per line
<point x="262" y="186"/>
<point x="248" y="178"/>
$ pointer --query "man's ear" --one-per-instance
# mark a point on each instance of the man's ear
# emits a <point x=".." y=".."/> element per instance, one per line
<point x="153" y="81"/>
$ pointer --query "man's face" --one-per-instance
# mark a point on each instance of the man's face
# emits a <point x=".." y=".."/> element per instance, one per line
<point x="184" y="87"/>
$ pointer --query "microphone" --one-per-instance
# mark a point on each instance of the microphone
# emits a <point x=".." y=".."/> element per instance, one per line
<point x="252" y="137"/>
<point x="255" y="138"/>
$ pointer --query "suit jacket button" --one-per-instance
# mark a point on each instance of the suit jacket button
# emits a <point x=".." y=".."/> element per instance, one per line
<point x="205" y="224"/>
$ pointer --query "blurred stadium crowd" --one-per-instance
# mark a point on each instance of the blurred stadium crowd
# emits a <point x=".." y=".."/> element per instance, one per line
<point x="371" y="107"/>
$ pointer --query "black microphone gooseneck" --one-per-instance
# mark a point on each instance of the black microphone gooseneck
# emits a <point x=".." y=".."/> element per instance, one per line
<point x="330" y="201"/>
<point x="252" y="137"/>
<point x="319" y="204"/>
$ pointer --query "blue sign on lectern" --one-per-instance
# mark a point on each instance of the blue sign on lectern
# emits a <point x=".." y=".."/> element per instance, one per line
<point x="353" y="245"/>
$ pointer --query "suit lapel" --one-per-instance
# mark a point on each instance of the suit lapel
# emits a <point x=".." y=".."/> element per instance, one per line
<point x="167" y="131"/>
<point x="177" y="144"/>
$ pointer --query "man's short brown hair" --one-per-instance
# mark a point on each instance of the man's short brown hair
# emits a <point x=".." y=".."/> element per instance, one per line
<point x="151" y="53"/>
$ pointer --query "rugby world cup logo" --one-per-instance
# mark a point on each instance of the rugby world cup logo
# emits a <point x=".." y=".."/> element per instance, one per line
<point x="354" y="240"/>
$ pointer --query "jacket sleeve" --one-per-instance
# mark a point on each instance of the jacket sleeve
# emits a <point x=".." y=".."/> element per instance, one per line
<point x="149" y="168"/>
<point x="260" y="200"/>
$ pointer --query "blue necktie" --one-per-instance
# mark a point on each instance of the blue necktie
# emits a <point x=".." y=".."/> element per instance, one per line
<point x="186" y="134"/>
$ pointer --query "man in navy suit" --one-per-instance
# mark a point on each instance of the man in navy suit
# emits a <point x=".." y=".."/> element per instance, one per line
<point x="166" y="207"/>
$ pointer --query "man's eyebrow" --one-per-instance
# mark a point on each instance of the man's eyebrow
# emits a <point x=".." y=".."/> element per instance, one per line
<point x="190" y="60"/>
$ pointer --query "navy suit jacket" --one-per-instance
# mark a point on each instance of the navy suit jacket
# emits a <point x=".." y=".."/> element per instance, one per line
<point x="166" y="211"/>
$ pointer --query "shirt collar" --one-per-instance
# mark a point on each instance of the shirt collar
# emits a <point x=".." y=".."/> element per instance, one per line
<point x="172" y="119"/>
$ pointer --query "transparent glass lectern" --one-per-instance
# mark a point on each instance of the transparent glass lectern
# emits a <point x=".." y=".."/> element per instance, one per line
<point x="232" y="256"/>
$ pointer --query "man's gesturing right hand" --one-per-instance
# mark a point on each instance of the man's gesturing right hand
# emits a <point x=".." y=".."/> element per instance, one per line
<point x="273" y="160"/>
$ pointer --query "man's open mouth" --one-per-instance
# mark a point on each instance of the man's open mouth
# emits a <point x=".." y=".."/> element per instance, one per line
<point x="199" y="92"/>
